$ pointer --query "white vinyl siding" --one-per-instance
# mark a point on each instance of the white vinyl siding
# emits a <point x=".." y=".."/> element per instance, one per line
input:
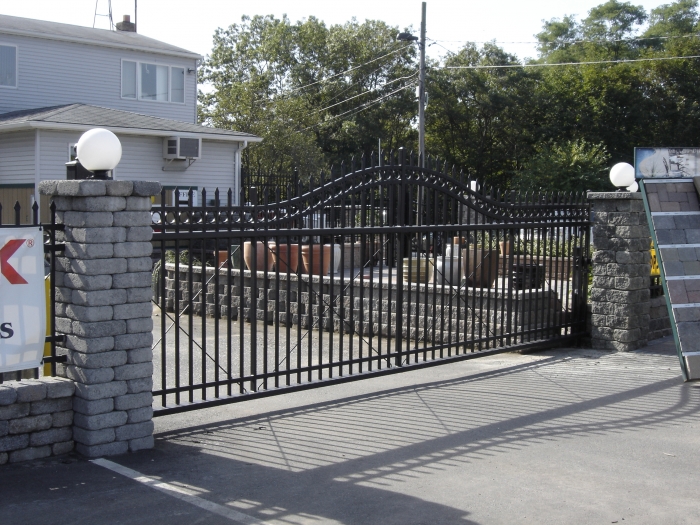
<point x="17" y="158"/>
<point x="8" y="66"/>
<point x="52" y="73"/>
<point x="142" y="159"/>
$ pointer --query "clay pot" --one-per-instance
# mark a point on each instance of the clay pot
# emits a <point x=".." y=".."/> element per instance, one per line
<point x="480" y="267"/>
<point x="260" y="255"/>
<point x="311" y="254"/>
<point x="286" y="257"/>
<point x="222" y="259"/>
<point x="421" y="269"/>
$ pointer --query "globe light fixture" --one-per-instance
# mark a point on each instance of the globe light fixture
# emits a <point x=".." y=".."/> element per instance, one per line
<point x="634" y="187"/>
<point x="622" y="175"/>
<point x="99" y="151"/>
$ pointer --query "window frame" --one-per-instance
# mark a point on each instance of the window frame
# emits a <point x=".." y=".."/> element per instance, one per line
<point x="16" y="65"/>
<point x="138" y="82"/>
<point x="121" y="79"/>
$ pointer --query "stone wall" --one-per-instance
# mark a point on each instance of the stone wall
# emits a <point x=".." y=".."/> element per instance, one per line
<point x="103" y="306"/>
<point x="361" y="306"/>
<point x="36" y="419"/>
<point x="619" y="299"/>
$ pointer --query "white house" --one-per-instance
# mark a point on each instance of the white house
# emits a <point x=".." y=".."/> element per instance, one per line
<point x="59" y="80"/>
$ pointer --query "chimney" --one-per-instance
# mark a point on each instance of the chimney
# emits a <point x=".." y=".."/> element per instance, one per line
<point x="126" y="25"/>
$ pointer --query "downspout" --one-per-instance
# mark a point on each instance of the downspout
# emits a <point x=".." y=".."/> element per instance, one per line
<point x="237" y="171"/>
<point x="37" y="166"/>
<point x="196" y="88"/>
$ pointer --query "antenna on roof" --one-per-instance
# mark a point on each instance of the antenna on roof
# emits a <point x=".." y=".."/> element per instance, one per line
<point x="108" y="14"/>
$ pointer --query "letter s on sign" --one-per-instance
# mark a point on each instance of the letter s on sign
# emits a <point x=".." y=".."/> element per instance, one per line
<point x="6" y="331"/>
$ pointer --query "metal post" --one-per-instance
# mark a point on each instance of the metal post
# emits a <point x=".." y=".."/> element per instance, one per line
<point x="421" y="91"/>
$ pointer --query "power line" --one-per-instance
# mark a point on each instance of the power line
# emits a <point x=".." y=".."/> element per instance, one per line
<point x="347" y="71"/>
<point x="360" y="108"/>
<point x="624" y="61"/>
<point x="582" y="41"/>
<point x="291" y="91"/>
<point x="361" y="94"/>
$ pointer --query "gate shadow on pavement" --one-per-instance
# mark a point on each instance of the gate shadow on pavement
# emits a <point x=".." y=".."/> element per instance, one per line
<point x="347" y="461"/>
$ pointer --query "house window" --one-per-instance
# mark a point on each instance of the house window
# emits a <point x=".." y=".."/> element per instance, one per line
<point x="161" y="83"/>
<point x="154" y="82"/>
<point x="128" y="79"/>
<point x="177" y="91"/>
<point x="8" y="66"/>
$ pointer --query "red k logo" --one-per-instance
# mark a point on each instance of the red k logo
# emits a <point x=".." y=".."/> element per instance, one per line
<point x="5" y="268"/>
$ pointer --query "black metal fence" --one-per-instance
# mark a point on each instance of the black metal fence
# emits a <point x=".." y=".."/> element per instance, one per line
<point x="51" y="248"/>
<point x="274" y="186"/>
<point x="386" y="268"/>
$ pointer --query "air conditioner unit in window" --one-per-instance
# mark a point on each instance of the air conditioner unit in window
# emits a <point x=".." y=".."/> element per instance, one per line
<point x="182" y="148"/>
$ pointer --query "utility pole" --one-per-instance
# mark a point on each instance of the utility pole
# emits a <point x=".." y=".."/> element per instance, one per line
<point x="408" y="37"/>
<point x="421" y="91"/>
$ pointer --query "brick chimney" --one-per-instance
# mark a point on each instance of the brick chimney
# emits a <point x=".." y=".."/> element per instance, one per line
<point x="126" y="25"/>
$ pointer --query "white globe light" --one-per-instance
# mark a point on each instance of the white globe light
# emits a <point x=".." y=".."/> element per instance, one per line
<point x="622" y="175"/>
<point x="634" y="187"/>
<point x="99" y="150"/>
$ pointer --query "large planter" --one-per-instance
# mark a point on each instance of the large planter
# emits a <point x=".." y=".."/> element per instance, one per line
<point x="480" y="267"/>
<point x="526" y="276"/>
<point x="285" y="257"/>
<point x="420" y="269"/>
<point x="262" y="255"/>
<point x="447" y="271"/>
<point x="352" y="256"/>
<point x="316" y="258"/>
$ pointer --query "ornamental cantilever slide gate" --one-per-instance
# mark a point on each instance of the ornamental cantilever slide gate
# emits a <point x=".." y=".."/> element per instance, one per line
<point x="383" y="268"/>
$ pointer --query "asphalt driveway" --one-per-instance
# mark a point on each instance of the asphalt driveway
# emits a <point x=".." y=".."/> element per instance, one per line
<point x="563" y="436"/>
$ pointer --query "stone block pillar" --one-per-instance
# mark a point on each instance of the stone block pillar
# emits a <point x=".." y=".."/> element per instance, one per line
<point x="103" y="305"/>
<point x="619" y="299"/>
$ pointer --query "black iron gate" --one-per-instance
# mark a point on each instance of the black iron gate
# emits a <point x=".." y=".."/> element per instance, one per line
<point x="386" y="268"/>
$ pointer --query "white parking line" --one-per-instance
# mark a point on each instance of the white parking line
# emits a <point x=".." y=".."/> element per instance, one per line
<point x="179" y="493"/>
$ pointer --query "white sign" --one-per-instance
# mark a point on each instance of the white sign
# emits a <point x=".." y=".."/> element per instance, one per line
<point x="182" y="196"/>
<point x="22" y="298"/>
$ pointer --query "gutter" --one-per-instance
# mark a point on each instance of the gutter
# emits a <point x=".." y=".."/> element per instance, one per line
<point x="129" y="131"/>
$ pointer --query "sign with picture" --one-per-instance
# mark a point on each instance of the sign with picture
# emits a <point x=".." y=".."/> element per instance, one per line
<point x="22" y="298"/>
<point x="671" y="163"/>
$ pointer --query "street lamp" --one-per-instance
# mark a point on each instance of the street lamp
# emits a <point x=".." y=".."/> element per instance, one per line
<point x="622" y="176"/>
<point x="98" y="151"/>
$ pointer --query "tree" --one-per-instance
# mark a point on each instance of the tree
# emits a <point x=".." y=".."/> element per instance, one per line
<point x="567" y="166"/>
<point x="316" y="95"/>
<point x="481" y="118"/>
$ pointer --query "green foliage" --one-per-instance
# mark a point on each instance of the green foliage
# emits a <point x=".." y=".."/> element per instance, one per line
<point x="319" y="95"/>
<point x="572" y="166"/>
<point x="545" y="247"/>
<point x="184" y="258"/>
<point x="298" y="85"/>
<point x="481" y="119"/>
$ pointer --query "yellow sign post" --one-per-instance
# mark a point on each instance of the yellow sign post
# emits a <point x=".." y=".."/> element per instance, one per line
<point x="655" y="272"/>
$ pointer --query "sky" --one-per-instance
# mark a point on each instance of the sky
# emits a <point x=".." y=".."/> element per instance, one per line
<point x="190" y="24"/>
